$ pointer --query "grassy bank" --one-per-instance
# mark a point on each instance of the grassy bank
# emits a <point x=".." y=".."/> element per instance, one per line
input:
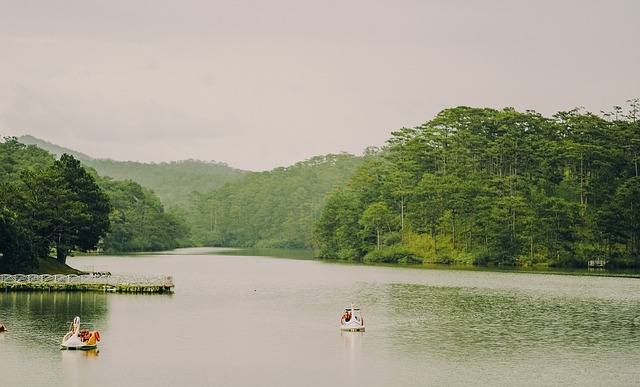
<point x="53" y="266"/>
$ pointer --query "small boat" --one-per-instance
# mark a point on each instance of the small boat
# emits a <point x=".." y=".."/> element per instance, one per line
<point x="80" y="339"/>
<point x="3" y="328"/>
<point x="351" y="320"/>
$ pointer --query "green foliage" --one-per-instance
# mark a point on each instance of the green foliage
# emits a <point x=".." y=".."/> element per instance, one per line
<point x="269" y="209"/>
<point x="59" y="205"/>
<point x="16" y="156"/>
<point x="494" y="187"/>
<point x="50" y="203"/>
<point x="16" y="251"/>
<point x="376" y="218"/>
<point x="396" y="253"/>
<point x="89" y="222"/>
<point x="472" y="185"/>
<point x="139" y="221"/>
<point x="172" y="182"/>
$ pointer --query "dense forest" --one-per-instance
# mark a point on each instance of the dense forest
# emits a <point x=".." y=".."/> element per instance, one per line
<point x="270" y="209"/>
<point x="471" y="186"/>
<point x="261" y="209"/>
<point x="46" y="205"/>
<point x="485" y="186"/>
<point x="50" y="206"/>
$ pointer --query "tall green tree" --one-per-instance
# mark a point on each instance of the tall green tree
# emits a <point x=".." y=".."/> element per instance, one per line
<point x="626" y="203"/>
<point x="92" y="223"/>
<point x="335" y="232"/>
<point x="16" y="249"/>
<point x="62" y="206"/>
<point x="376" y="218"/>
<point x="139" y="221"/>
<point x="16" y="156"/>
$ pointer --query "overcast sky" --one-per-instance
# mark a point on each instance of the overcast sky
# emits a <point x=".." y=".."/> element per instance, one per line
<point x="259" y="84"/>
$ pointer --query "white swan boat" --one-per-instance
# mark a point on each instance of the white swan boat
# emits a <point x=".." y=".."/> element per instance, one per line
<point x="351" y="320"/>
<point x="80" y="339"/>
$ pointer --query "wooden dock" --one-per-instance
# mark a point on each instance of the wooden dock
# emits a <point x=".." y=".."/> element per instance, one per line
<point x="116" y="283"/>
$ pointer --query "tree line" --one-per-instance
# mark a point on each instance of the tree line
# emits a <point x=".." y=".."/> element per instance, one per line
<point x="259" y="209"/>
<point x="50" y="206"/>
<point x="486" y="186"/>
<point x="274" y="209"/>
<point x="472" y="185"/>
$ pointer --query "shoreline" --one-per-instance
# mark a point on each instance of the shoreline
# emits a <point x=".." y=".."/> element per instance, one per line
<point x="117" y="283"/>
<point x="118" y="288"/>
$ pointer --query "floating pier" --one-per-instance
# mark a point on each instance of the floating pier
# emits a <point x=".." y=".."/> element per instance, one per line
<point x="103" y="282"/>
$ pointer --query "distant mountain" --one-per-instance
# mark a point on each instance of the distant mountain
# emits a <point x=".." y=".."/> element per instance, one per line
<point x="172" y="182"/>
<point x="52" y="148"/>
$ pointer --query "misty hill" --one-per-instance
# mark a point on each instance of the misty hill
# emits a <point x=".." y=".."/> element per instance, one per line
<point x="171" y="182"/>
<point x="274" y="209"/>
<point x="52" y="148"/>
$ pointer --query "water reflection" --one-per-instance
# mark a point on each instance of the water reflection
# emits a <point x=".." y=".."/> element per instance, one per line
<point x="43" y="317"/>
<point x="351" y="340"/>
<point x="73" y="358"/>
<point x="476" y="322"/>
<point x="352" y="352"/>
<point x="76" y="366"/>
<point x="271" y="252"/>
<point x="238" y="320"/>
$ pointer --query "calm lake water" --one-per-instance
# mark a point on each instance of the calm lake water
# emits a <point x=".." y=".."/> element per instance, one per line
<point x="239" y="320"/>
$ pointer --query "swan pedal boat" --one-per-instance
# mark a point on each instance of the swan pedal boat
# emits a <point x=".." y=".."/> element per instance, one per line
<point x="80" y="339"/>
<point x="351" y="320"/>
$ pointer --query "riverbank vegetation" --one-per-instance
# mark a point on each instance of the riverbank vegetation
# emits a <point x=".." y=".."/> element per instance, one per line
<point x="274" y="209"/>
<point x="485" y="186"/>
<point x="60" y="207"/>
<point x="55" y="206"/>
<point x="471" y="186"/>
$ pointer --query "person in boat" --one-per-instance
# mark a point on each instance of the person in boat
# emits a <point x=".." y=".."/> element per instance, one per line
<point x="2" y="328"/>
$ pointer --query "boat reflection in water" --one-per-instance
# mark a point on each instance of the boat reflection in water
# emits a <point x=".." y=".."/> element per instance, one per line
<point x="71" y="357"/>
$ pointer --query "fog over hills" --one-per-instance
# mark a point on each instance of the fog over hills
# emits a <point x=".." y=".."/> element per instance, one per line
<point x="173" y="182"/>
<point x="53" y="148"/>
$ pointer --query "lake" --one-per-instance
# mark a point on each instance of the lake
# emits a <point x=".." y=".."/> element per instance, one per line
<point x="241" y="320"/>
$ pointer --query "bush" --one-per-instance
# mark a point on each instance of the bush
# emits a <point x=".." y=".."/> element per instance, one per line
<point x="495" y="257"/>
<point x="394" y="254"/>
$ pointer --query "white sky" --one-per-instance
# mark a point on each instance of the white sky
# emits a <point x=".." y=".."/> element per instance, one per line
<point x="259" y="84"/>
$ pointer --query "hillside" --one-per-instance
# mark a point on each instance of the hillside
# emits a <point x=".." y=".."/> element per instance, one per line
<point x="275" y="209"/>
<point x="172" y="182"/>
